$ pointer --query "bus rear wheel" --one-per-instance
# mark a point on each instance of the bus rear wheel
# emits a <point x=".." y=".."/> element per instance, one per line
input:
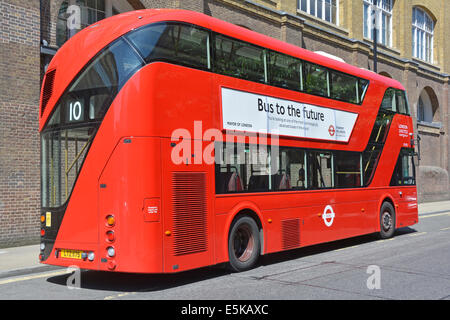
<point x="244" y="244"/>
<point x="387" y="221"/>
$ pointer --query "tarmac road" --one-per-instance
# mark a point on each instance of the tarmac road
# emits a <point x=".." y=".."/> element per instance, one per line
<point x="415" y="264"/>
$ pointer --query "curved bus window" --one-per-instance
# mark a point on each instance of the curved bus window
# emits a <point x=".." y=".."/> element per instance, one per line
<point x="91" y="94"/>
<point x="178" y="43"/>
<point x="69" y="133"/>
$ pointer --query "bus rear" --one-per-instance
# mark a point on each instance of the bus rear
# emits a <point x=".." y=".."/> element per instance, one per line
<point x="99" y="164"/>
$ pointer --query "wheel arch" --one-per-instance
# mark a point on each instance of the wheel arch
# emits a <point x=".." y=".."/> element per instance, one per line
<point x="387" y="198"/>
<point x="246" y="208"/>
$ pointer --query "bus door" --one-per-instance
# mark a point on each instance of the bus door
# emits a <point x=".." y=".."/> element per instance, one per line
<point x="187" y="205"/>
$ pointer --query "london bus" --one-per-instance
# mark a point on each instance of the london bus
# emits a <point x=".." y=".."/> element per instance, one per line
<point x="171" y="140"/>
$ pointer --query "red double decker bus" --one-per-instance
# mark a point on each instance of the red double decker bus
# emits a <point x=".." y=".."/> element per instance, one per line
<point x="172" y="140"/>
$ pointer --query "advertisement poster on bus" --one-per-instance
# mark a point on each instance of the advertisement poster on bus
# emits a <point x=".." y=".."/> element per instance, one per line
<point x="244" y="111"/>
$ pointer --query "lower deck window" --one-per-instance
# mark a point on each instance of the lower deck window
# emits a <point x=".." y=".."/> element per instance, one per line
<point x="404" y="172"/>
<point x="260" y="168"/>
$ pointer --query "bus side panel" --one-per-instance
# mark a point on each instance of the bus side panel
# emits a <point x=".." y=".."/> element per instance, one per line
<point x="406" y="206"/>
<point x="130" y="190"/>
<point x="188" y="206"/>
<point x="181" y="100"/>
<point x="295" y="219"/>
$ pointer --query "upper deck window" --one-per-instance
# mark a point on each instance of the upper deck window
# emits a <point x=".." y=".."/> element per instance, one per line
<point x="239" y="59"/>
<point x="177" y="43"/>
<point x="395" y="100"/>
<point x="316" y="79"/>
<point x="285" y="71"/>
<point x="348" y="88"/>
<point x="195" y="47"/>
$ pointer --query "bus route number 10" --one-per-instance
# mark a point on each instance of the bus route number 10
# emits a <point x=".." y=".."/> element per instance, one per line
<point x="75" y="111"/>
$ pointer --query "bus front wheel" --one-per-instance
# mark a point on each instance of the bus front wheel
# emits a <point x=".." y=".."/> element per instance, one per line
<point x="244" y="244"/>
<point x="387" y="220"/>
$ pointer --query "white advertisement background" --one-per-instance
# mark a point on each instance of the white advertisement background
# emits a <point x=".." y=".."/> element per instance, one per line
<point x="240" y="112"/>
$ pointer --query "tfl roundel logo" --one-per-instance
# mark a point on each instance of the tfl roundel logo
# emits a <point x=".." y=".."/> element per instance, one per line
<point x="331" y="130"/>
<point x="328" y="216"/>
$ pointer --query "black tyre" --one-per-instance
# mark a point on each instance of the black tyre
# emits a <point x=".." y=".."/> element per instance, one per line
<point x="387" y="221"/>
<point x="244" y="245"/>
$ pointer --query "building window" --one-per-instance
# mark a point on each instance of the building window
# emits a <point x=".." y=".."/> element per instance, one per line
<point x="425" y="109"/>
<point x="87" y="12"/>
<point x="422" y="35"/>
<point x="378" y="14"/>
<point x="323" y="9"/>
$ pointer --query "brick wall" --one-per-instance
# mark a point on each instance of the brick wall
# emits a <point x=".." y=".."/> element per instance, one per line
<point x="19" y="138"/>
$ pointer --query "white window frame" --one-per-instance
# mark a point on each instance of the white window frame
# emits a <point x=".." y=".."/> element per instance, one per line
<point x="383" y="8"/>
<point x="422" y="36"/>
<point x="321" y="3"/>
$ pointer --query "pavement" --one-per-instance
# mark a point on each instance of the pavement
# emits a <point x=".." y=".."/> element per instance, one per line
<point x="23" y="260"/>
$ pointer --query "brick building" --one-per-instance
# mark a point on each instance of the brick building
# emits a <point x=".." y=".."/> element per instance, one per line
<point x="413" y="47"/>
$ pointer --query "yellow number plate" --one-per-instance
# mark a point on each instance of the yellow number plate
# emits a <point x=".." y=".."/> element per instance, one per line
<point x="71" y="254"/>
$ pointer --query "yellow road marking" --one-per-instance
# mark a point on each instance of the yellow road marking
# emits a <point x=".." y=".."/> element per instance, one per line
<point x="37" y="276"/>
<point x="119" y="295"/>
<point x="389" y="239"/>
<point x="347" y="248"/>
<point x="417" y="234"/>
<point x="448" y="228"/>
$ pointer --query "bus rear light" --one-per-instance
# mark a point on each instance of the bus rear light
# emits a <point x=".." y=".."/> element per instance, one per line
<point x="110" y="236"/>
<point x="42" y="232"/>
<point x="42" y="246"/>
<point x="111" y="252"/>
<point x="111" y="265"/>
<point x="110" y="220"/>
<point x="42" y="218"/>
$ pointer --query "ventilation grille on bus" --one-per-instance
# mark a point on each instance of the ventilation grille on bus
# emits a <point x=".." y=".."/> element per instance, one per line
<point x="48" y="89"/>
<point x="290" y="233"/>
<point x="189" y="213"/>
